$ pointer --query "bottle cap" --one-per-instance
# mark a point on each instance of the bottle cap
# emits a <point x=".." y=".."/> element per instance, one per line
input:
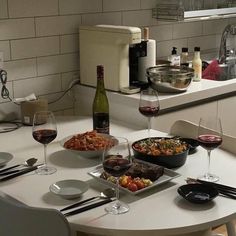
<point x="174" y="51"/>
<point x="100" y="70"/>
<point x="184" y="49"/>
<point x="146" y="33"/>
<point x="197" y="49"/>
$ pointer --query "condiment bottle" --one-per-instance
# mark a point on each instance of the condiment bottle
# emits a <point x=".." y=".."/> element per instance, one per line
<point x="101" y="122"/>
<point x="174" y="58"/>
<point x="197" y="64"/>
<point x="184" y="57"/>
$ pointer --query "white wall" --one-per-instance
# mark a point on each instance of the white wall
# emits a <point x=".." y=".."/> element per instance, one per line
<point x="39" y="39"/>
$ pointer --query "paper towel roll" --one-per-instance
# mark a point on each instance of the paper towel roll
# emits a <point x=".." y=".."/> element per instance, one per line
<point x="147" y="61"/>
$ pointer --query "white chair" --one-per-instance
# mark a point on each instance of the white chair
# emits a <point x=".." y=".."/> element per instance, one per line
<point x="18" y="219"/>
<point x="188" y="129"/>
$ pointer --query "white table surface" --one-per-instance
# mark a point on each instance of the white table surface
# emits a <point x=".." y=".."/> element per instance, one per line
<point x="159" y="211"/>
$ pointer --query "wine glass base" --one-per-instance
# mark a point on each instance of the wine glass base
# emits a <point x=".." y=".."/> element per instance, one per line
<point x="46" y="170"/>
<point x="209" y="177"/>
<point x="117" y="208"/>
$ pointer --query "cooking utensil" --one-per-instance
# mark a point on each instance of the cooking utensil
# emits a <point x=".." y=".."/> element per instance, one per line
<point x="30" y="162"/>
<point x="169" y="79"/>
<point x="107" y="193"/>
<point x="88" y="207"/>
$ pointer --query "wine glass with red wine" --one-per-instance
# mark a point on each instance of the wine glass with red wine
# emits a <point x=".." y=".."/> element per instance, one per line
<point x="149" y="105"/>
<point x="209" y="137"/>
<point x="116" y="162"/>
<point x="44" y="131"/>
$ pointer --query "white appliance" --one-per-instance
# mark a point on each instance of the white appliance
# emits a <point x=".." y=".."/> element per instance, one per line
<point x="107" y="45"/>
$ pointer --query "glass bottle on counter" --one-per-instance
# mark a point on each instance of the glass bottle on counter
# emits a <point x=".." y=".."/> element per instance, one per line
<point x="101" y="121"/>
<point x="197" y="64"/>
<point x="184" y="57"/>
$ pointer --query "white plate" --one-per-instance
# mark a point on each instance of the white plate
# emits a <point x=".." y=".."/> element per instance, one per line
<point x="69" y="189"/>
<point x="5" y="157"/>
<point x="85" y="154"/>
<point x="166" y="177"/>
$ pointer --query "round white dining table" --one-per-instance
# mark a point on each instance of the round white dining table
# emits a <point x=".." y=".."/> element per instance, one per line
<point x="159" y="211"/>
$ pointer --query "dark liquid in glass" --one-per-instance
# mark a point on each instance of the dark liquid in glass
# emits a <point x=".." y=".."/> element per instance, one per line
<point x="116" y="166"/>
<point x="209" y="141"/>
<point x="149" y="111"/>
<point x="45" y="136"/>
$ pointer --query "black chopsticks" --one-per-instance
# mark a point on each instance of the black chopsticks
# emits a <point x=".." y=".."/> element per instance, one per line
<point x="88" y="207"/>
<point x="224" y="190"/>
<point x="21" y="172"/>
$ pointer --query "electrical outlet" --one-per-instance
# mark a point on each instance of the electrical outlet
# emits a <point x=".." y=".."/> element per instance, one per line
<point x="1" y="60"/>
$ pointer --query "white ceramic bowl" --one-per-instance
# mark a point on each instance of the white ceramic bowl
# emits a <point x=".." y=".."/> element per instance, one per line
<point x="69" y="189"/>
<point x="5" y="157"/>
<point x="86" y="154"/>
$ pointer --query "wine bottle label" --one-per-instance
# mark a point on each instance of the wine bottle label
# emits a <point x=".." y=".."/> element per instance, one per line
<point x="101" y="122"/>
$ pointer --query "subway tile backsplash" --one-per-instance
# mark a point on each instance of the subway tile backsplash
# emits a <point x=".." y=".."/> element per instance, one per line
<point x="40" y="42"/>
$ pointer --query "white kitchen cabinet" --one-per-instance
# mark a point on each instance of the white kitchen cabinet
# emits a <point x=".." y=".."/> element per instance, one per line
<point x="193" y="114"/>
<point x="227" y="113"/>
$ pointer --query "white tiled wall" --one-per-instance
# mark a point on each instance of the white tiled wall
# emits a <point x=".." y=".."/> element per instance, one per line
<point x="39" y="39"/>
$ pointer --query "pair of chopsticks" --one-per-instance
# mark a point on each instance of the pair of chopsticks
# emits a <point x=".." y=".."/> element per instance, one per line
<point x="224" y="190"/>
<point x="85" y="208"/>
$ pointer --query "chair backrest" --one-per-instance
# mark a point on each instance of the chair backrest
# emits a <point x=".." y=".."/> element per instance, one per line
<point x="18" y="219"/>
<point x="188" y="129"/>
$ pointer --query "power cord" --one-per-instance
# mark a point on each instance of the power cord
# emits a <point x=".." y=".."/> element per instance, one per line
<point x="6" y="95"/>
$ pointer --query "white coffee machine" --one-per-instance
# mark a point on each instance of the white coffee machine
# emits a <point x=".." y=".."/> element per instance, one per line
<point x="107" y="45"/>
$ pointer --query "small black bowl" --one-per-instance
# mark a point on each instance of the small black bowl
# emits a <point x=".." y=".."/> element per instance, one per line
<point x="168" y="161"/>
<point x="193" y="144"/>
<point x="198" y="193"/>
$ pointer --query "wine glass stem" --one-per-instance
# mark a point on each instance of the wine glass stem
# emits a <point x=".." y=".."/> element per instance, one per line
<point x="45" y="154"/>
<point x="117" y="193"/>
<point x="149" y="126"/>
<point x="209" y="161"/>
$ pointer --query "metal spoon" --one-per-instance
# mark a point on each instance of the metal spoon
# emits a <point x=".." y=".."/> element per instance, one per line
<point x="30" y="162"/>
<point x="107" y="193"/>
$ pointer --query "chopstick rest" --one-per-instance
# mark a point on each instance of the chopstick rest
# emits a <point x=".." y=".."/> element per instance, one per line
<point x="88" y="207"/>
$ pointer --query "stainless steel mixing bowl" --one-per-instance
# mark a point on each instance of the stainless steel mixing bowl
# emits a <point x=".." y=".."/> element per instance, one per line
<point x="170" y="79"/>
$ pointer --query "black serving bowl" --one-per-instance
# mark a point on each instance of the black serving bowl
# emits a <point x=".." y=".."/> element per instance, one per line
<point x="168" y="161"/>
<point x="198" y="193"/>
<point x="193" y="144"/>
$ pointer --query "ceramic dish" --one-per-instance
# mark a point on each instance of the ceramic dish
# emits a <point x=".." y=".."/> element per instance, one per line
<point x="87" y="153"/>
<point x="193" y="144"/>
<point x="168" y="161"/>
<point x="69" y="189"/>
<point x="198" y="193"/>
<point x="166" y="177"/>
<point x="5" y="157"/>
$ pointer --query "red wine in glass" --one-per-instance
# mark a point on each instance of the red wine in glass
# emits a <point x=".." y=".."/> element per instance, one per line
<point x="209" y="141"/>
<point x="149" y="105"/>
<point x="116" y="161"/>
<point x="149" y="111"/>
<point x="210" y="138"/>
<point x="44" y="131"/>
<point x="116" y="165"/>
<point x="44" y="136"/>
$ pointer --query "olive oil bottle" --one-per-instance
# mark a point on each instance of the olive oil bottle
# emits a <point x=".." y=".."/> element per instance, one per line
<point x="101" y="122"/>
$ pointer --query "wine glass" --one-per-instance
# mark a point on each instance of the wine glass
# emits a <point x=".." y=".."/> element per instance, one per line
<point x="116" y="161"/>
<point x="149" y="105"/>
<point x="44" y="131"/>
<point x="209" y="137"/>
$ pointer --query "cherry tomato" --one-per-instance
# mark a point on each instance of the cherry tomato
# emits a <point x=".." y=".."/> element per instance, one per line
<point x="132" y="187"/>
<point x="140" y="184"/>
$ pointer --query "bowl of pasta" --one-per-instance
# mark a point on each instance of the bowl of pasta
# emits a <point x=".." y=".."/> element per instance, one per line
<point x="167" y="152"/>
<point x="88" y="144"/>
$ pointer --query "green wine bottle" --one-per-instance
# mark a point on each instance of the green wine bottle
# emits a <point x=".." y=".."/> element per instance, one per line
<point x="101" y="121"/>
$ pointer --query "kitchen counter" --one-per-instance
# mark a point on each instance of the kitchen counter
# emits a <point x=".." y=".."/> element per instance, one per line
<point x="125" y="107"/>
